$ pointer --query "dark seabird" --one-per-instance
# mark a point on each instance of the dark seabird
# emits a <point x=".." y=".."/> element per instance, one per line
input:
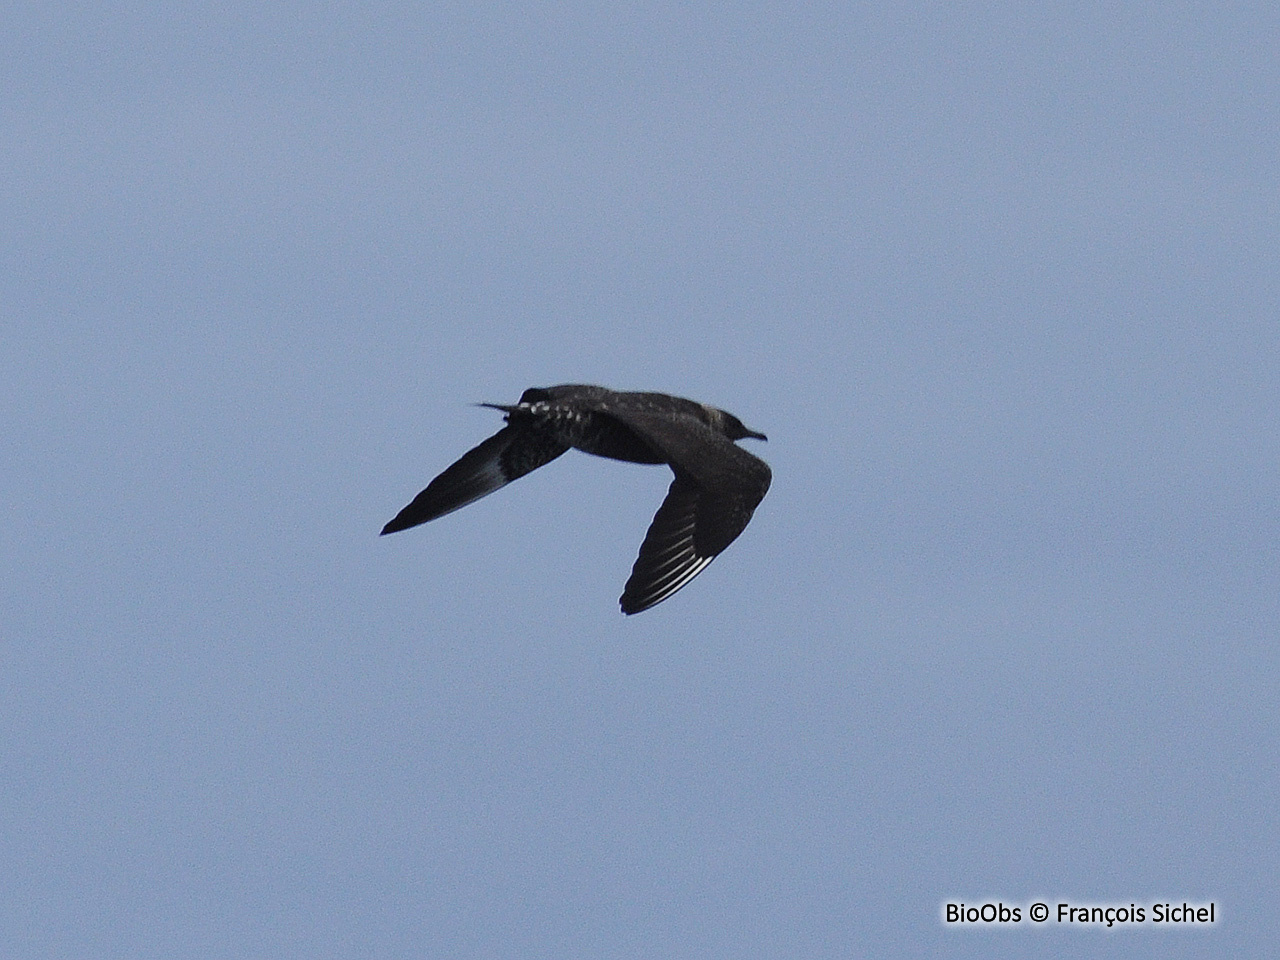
<point x="716" y="489"/>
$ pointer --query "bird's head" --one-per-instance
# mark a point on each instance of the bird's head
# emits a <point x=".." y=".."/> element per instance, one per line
<point x="732" y="427"/>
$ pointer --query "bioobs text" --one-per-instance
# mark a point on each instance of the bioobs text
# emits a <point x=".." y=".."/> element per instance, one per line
<point x="986" y="913"/>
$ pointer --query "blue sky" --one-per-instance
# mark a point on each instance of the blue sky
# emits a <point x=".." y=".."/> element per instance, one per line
<point x="998" y="281"/>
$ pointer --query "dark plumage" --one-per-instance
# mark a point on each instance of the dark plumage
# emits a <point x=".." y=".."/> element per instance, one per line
<point x="716" y="488"/>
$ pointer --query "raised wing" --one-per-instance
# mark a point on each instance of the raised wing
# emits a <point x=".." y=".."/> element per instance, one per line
<point x="508" y="455"/>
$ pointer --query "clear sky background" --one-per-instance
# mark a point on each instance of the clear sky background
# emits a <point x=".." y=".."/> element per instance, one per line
<point x="1000" y="282"/>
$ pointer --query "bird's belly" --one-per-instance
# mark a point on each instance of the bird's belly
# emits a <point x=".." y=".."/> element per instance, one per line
<point x="608" y="438"/>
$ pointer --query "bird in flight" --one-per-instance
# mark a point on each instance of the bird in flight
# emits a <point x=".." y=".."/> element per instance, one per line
<point x="716" y="489"/>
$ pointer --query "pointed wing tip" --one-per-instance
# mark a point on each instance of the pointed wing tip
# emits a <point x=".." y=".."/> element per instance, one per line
<point x="398" y="523"/>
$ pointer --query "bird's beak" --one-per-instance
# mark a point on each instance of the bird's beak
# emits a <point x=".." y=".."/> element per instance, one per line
<point x="756" y="436"/>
